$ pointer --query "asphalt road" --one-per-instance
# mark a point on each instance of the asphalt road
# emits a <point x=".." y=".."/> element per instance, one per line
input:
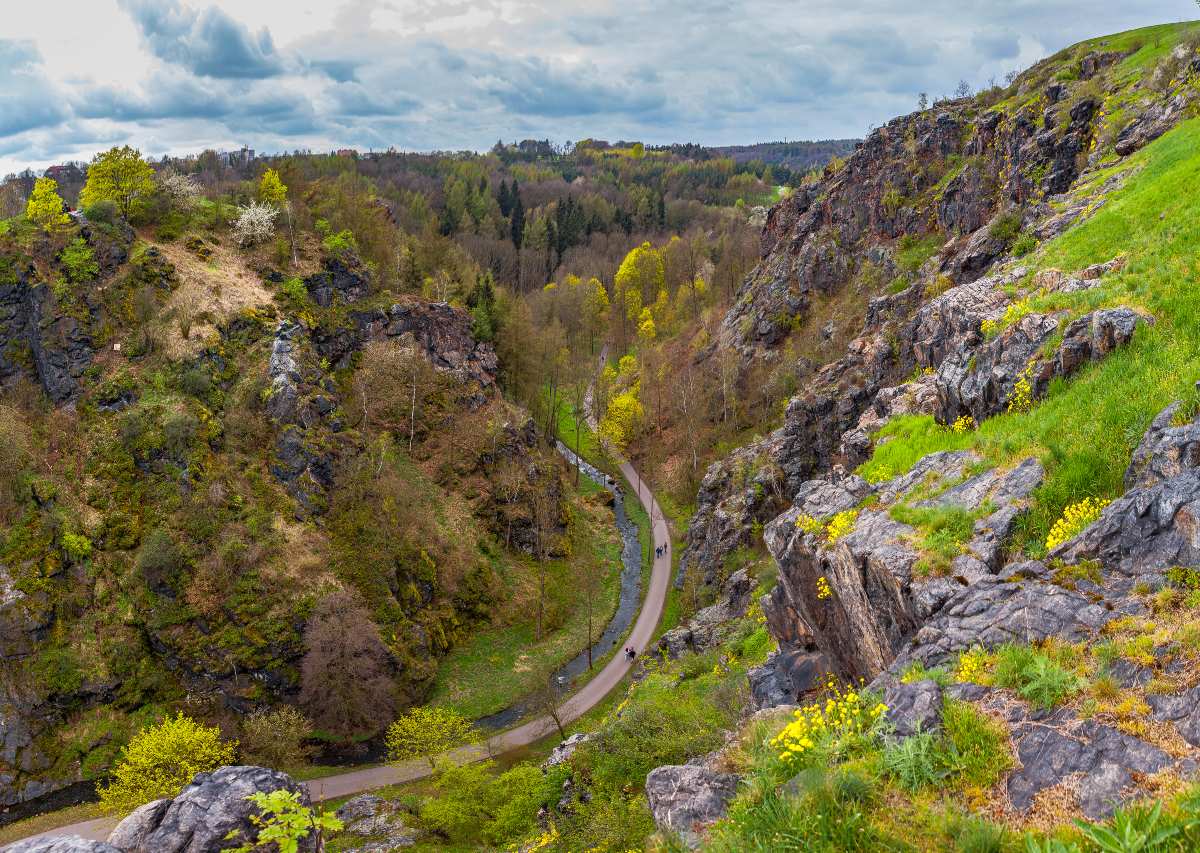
<point x="590" y="695"/>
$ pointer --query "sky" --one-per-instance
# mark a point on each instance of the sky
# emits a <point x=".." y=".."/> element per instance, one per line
<point x="179" y="76"/>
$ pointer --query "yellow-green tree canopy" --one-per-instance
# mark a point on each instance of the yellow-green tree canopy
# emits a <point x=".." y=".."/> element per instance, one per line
<point x="119" y="175"/>
<point x="424" y="732"/>
<point x="160" y="760"/>
<point x="646" y="329"/>
<point x="642" y="272"/>
<point x="620" y="423"/>
<point x="271" y="189"/>
<point x="45" y="206"/>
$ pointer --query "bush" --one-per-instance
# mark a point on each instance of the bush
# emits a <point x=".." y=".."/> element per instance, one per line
<point x="160" y="760"/>
<point x="159" y="561"/>
<point x="284" y="822"/>
<point x="195" y="382"/>
<point x="341" y="243"/>
<point x="1035" y="676"/>
<point x="79" y="264"/>
<point x="1006" y="226"/>
<point x="276" y="738"/>
<point x="425" y="732"/>
<point x="914" y="762"/>
<point x="103" y="212"/>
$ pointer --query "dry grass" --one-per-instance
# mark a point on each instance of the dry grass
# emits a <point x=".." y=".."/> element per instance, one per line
<point x="209" y="293"/>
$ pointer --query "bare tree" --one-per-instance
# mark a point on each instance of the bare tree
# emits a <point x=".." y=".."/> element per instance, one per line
<point x="546" y="701"/>
<point x="346" y="674"/>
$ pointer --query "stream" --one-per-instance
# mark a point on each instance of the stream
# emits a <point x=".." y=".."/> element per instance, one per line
<point x="627" y="606"/>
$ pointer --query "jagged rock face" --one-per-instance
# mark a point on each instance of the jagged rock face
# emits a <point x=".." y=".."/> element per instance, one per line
<point x="343" y="277"/>
<point x="687" y="799"/>
<point x="201" y="818"/>
<point x="876" y="599"/>
<point x="913" y="708"/>
<point x="37" y="341"/>
<point x="979" y="380"/>
<point x="815" y="239"/>
<point x="1156" y="523"/>
<point x="441" y="332"/>
<point x="708" y="627"/>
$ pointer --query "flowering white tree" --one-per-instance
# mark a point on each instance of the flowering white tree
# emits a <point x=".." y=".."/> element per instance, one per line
<point x="255" y="223"/>
<point x="182" y="190"/>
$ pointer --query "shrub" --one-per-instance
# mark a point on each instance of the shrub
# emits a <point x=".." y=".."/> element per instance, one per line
<point x="425" y="732"/>
<point x="159" y="562"/>
<point x="255" y="223"/>
<point x="341" y="243"/>
<point x="1036" y="678"/>
<point x="160" y="760"/>
<point x="914" y="762"/>
<point x="76" y="546"/>
<point x="1074" y="519"/>
<point x="1006" y="226"/>
<point x="103" y="212"/>
<point x="79" y="264"/>
<point x="819" y="732"/>
<point x="45" y="205"/>
<point x="1024" y="244"/>
<point x="276" y="738"/>
<point x="195" y="382"/>
<point x="284" y="822"/>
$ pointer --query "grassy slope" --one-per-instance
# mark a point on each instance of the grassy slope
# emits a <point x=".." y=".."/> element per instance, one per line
<point x="497" y="666"/>
<point x="1086" y="428"/>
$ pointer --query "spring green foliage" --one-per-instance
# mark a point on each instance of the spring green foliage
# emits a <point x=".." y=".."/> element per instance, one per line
<point x="1034" y="675"/>
<point x="161" y="759"/>
<point x="284" y="822"/>
<point x="121" y="176"/>
<point x="79" y="264"/>
<point x="1085" y="429"/>
<point x="271" y="189"/>
<point x="474" y="803"/>
<point x="45" y="205"/>
<point x="425" y="732"/>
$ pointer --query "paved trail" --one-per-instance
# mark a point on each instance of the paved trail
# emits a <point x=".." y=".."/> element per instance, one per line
<point x="369" y="778"/>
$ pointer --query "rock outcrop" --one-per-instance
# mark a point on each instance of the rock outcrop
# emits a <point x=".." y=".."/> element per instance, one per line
<point x="206" y="814"/>
<point x="687" y="799"/>
<point x="858" y="600"/>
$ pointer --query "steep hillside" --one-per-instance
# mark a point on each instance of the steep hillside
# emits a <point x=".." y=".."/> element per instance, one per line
<point x="206" y="461"/>
<point x="856" y="266"/>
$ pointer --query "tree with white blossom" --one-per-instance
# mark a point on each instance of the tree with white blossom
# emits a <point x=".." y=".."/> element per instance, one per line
<point x="255" y="223"/>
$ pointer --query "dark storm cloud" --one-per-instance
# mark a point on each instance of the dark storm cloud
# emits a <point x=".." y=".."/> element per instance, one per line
<point x="207" y="42"/>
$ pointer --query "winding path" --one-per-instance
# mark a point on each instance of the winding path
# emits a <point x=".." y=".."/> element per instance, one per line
<point x="590" y="695"/>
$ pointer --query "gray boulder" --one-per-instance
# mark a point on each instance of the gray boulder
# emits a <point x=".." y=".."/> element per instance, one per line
<point x="913" y="708"/>
<point x="686" y="799"/>
<point x="565" y="750"/>
<point x="369" y="815"/>
<point x="1182" y="709"/>
<point x="201" y="818"/>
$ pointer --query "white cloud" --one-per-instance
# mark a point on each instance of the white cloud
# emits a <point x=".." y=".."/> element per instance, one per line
<point x="180" y="75"/>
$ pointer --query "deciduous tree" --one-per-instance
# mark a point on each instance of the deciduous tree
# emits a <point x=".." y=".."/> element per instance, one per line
<point x="346" y="684"/>
<point x="426" y="732"/>
<point x="45" y="205"/>
<point x="119" y="175"/>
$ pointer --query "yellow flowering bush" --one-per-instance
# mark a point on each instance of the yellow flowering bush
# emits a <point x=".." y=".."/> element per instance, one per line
<point x="845" y="717"/>
<point x="823" y="590"/>
<point x="1074" y="518"/>
<point x="1021" y="400"/>
<point x="840" y="525"/>
<point x="974" y="665"/>
<point x="964" y="424"/>
<point x="809" y="524"/>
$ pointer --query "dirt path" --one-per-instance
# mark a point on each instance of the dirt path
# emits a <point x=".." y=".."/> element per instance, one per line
<point x="590" y="695"/>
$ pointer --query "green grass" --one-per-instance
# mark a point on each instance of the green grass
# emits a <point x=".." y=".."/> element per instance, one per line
<point x="585" y="442"/>
<point x="497" y="666"/>
<point x="1086" y="428"/>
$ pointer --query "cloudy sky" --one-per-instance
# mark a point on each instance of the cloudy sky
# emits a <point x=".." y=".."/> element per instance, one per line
<point x="181" y="75"/>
